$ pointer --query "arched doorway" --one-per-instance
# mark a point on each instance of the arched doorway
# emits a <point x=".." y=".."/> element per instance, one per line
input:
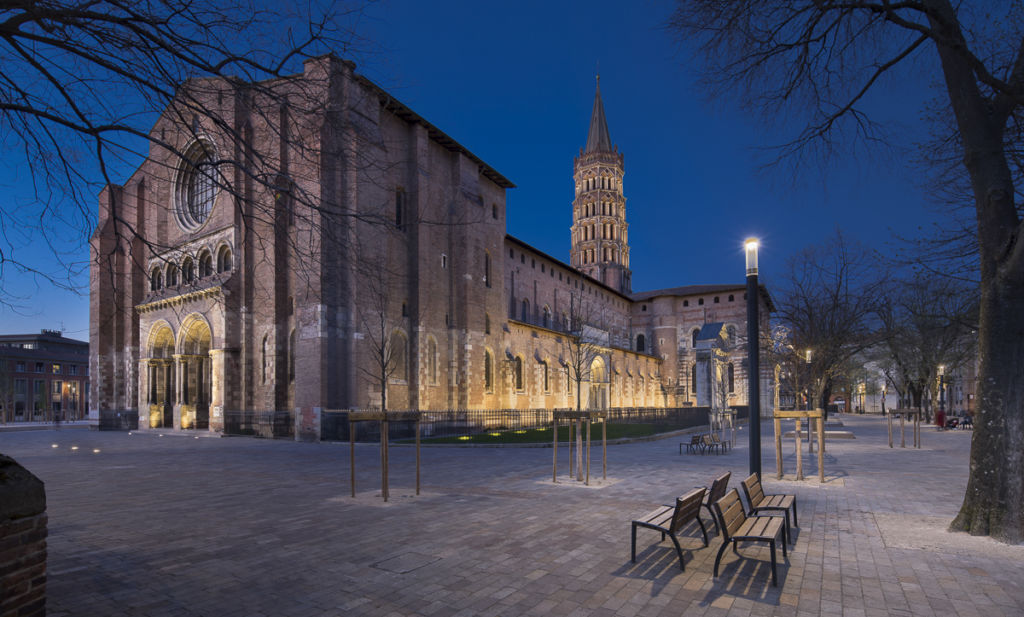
<point x="195" y="370"/>
<point x="161" y="377"/>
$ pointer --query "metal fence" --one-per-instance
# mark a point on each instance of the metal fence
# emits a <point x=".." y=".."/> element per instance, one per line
<point x="267" y="424"/>
<point x="111" y="420"/>
<point x="451" y="423"/>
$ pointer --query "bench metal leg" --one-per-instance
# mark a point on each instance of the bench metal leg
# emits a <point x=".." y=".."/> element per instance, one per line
<point x="679" y="551"/>
<point x="718" y="558"/>
<point x="795" y="524"/>
<point x="633" y="544"/>
<point x="702" y="529"/>
<point x="713" y="519"/>
<point x="775" y="578"/>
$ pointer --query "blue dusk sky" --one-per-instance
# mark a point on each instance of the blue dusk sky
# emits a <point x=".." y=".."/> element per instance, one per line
<point x="514" y="83"/>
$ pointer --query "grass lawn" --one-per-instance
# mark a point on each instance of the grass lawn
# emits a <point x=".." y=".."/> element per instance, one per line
<point x="543" y="435"/>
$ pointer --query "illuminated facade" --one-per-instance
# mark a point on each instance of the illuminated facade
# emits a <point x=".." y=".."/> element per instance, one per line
<point x="241" y="300"/>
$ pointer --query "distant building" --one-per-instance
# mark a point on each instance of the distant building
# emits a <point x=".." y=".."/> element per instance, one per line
<point x="43" y="376"/>
<point x="221" y="301"/>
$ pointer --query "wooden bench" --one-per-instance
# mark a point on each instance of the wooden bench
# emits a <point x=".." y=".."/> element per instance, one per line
<point x="737" y="527"/>
<point x="716" y="492"/>
<point x="693" y="446"/>
<point x="724" y="444"/>
<point x="670" y="519"/>
<point x="709" y="443"/>
<point x="759" y="502"/>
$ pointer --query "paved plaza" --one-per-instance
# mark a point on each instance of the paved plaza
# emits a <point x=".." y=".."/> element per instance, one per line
<point x="153" y="526"/>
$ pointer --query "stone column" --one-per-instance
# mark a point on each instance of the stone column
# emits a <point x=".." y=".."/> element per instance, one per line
<point x="217" y="390"/>
<point x="178" y="402"/>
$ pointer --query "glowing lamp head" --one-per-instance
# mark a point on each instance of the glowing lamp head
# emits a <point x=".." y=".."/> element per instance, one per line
<point x="750" y="245"/>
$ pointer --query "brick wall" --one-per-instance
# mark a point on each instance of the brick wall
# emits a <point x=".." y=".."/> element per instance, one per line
<point x="22" y="542"/>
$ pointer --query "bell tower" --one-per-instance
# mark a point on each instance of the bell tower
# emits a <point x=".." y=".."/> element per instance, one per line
<point x="600" y="246"/>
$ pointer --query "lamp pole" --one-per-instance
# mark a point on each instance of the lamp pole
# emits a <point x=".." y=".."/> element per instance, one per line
<point x="753" y="361"/>
<point x="941" y="420"/>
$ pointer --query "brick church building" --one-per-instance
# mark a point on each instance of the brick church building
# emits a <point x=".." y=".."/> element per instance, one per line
<point x="263" y="258"/>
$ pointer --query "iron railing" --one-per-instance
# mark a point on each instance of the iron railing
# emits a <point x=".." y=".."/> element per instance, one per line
<point x="124" y="420"/>
<point x="334" y="424"/>
<point x="267" y="424"/>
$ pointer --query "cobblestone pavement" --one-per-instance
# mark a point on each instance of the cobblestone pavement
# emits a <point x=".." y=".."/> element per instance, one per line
<point x="166" y="526"/>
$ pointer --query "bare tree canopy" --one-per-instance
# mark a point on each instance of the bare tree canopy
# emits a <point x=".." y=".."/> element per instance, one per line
<point x="924" y="323"/>
<point x="819" y="60"/>
<point x="82" y="81"/>
<point x="825" y="304"/>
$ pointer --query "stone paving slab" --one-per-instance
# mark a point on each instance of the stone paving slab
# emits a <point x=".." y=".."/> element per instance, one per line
<point x="247" y="527"/>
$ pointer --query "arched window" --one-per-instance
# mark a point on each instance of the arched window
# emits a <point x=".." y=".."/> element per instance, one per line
<point x="544" y="378"/>
<point x="264" y="361"/>
<point x="399" y="356"/>
<point x="732" y="378"/>
<point x="487" y="323"/>
<point x="640" y="343"/>
<point x="291" y="356"/>
<point x="197" y="187"/>
<point x="431" y="360"/>
<point x="693" y="336"/>
<point x="172" y="275"/>
<point x="488" y="371"/>
<point x="400" y="205"/>
<point x="156" y="280"/>
<point x="526" y="310"/>
<point x="205" y="264"/>
<point x="517" y="372"/>
<point x="188" y="271"/>
<point x="487" y="269"/>
<point x="547" y="317"/>
<point x="224" y="259"/>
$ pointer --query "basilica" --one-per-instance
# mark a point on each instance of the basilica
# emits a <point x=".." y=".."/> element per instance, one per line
<point x="351" y="255"/>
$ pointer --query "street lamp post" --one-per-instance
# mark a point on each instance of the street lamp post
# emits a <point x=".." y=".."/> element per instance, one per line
<point x="753" y="349"/>
<point x="810" y="379"/>
<point x="941" y="419"/>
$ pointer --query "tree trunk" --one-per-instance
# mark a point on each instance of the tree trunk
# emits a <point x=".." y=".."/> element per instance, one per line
<point x="994" y="502"/>
<point x="579" y="449"/>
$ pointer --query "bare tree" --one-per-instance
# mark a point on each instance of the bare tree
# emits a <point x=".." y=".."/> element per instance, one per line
<point x="81" y="83"/>
<point x="825" y="304"/>
<point x="585" y="341"/>
<point x="821" y="59"/>
<point x="378" y="316"/>
<point x="926" y="322"/>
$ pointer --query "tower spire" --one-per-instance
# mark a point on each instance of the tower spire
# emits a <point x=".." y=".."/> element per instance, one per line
<point x="598" y="139"/>
<point x="599" y="232"/>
